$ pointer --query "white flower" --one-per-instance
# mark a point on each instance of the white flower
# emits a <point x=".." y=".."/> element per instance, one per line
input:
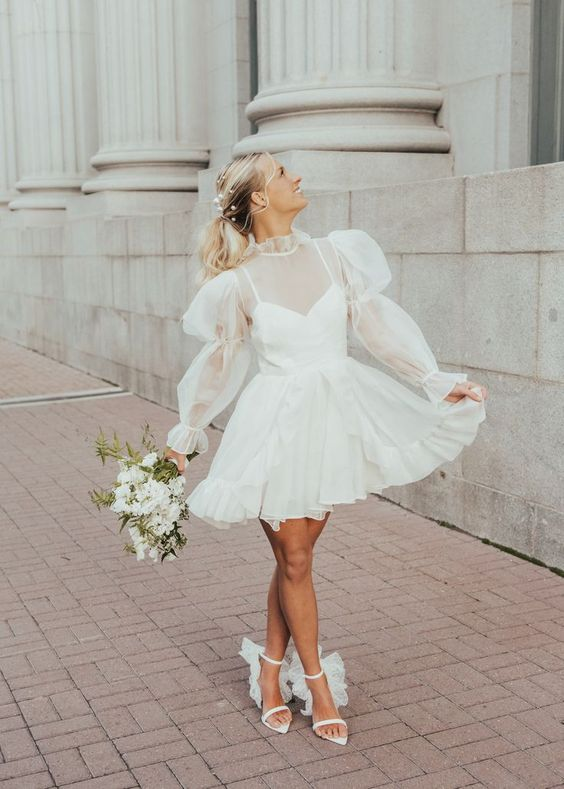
<point x="122" y="491"/>
<point x="150" y="459"/>
<point x="138" y="543"/>
<point x="132" y="474"/>
<point x="121" y="505"/>
<point x="176" y="485"/>
<point x="172" y="512"/>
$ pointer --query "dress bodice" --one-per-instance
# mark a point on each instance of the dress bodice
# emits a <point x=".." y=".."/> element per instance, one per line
<point x="286" y="338"/>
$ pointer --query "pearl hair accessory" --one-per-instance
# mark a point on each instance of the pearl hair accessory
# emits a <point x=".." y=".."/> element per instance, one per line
<point x="217" y="203"/>
<point x="219" y="208"/>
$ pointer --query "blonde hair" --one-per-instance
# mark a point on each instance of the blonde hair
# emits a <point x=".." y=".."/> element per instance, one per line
<point x="223" y="241"/>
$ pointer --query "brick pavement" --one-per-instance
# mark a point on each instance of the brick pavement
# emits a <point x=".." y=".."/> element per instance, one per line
<point x="118" y="673"/>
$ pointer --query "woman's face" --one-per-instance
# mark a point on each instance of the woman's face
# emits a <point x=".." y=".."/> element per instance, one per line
<point x="283" y="190"/>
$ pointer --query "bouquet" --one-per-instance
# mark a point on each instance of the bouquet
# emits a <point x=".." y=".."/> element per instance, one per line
<point x="148" y="496"/>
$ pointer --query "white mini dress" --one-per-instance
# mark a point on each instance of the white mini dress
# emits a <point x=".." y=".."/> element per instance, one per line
<point x="313" y="427"/>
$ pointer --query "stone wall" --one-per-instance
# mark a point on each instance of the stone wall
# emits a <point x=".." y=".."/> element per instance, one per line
<point x="477" y="261"/>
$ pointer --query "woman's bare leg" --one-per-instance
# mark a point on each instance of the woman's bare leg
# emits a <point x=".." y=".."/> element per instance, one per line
<point x="278" y="635"/>
<point x="293" y="548"/>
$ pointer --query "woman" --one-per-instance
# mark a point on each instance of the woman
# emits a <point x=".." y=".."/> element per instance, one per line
<point x="314" y="427"/>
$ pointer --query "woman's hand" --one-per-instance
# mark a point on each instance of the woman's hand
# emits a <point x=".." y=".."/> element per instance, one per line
<point x="178" y="457"/>
<point x="465" y="390"/>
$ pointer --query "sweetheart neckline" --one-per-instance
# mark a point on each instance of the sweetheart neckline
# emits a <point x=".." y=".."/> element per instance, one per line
<point x="306" y="315"/>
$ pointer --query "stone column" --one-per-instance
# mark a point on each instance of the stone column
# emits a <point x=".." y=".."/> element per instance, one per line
<point x="151" y="95"/>
<point x="8" y="154"/>
<point x="55" y="100"/>
<point x="349" y="75"/>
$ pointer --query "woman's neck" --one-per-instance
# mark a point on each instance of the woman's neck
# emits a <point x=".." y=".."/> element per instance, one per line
<point x="272" y="229"/>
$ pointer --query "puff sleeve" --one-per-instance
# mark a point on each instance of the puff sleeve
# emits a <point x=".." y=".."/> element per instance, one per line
<point x="383" y="327"/>
<point x="216" y="317"/>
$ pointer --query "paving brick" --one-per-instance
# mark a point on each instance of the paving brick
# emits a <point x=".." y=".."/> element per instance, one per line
<point x="477" y="751"/>
<point x="41" y="780"/>
<point x="419" y="719"/>
<point x="193" y="771"/>
<point x="67" y="766"/>
<point x="516" y="732"/>
<point x="445" y="779"/>
<point x="393" y="762"/>
<point x="291" y="779"/>
<point x="368" y="778"/>
<point x="383" y="735"/>
<point x="492" y="774"/>
<point x="543" y="723"/>
<point x="38" y="710"/>
<point x="340" y="766"/>
<point x="16" y="768"/>
<point x="204" y="736"/>
<point x="124" y="674"/>
<point x="11" y="724"/>
<point x="158" y="753"/>
<point x="460" y="735"/>
<point x="149" y="715"/>
<point x="118" y="722"/>
<point x="102" y="758"/>
<point x="424" y="754"/>
<point x="70" y="704"/>
<point x="156" y="775"/>
<point x="71" y="740"/>
<point x="55" y="728"/>
<point x="528" y="769"/>
<point x="123" y="780"/>
<point x="17" y="744"/>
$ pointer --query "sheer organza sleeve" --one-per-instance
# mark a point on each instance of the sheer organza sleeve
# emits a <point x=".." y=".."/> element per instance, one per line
<point x="383" y="327"/>
<point x="216" y="317"/>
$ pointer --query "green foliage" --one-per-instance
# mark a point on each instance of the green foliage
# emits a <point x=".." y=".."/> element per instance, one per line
<point x="163" y="470"/>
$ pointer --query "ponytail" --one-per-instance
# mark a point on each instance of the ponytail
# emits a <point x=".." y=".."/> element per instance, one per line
<point x="223" y="241"/>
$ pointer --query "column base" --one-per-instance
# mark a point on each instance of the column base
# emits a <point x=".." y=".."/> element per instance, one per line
<point x="129" y="203"/>
<point x="337" y="171"/>
<point x="174" y="170"/>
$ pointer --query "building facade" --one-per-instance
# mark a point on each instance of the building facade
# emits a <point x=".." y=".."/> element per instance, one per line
<point x="435" y="125"/>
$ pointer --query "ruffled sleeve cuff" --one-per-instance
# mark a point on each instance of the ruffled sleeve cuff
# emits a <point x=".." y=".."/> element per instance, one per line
<point x="186" y="440"/>
<point x="438" y="384"/>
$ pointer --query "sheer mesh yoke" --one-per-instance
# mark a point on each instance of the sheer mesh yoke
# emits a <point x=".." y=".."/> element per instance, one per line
<point x="295" y="280"/>
<point x="313" y="427"/>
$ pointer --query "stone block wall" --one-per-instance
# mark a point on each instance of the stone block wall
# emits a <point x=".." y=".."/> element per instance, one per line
<point x="477" y="261"/>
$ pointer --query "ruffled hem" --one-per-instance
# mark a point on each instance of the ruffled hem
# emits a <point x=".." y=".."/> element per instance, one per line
<point x="292" y="467"/>
<point x="221" y="504"/>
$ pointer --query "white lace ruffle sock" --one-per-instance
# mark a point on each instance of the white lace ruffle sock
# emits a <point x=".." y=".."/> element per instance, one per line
<point x="333" y="667"/>
<point x="250" y="652"/>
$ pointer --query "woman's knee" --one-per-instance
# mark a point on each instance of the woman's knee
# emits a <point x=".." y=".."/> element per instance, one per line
<point x="295" y="563"/>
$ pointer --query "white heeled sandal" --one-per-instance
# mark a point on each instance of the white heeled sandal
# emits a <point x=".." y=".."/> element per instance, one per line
<point x="252" y="653"/>
<point x="333" y="667"/>
<point x="314" y="726"/>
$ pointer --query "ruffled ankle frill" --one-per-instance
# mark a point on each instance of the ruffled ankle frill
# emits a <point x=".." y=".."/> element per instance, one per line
<point x="251" y="652"/>
<point x="334" y="669"/>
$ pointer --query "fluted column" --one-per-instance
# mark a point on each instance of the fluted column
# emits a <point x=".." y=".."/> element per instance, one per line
<point x="348" y="75"/>
<point x="55" y="99"/>
<point x="8" y="153"/>
<point x="151" y="93"/>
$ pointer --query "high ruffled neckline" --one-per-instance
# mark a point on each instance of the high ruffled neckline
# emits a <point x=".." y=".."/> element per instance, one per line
<point x="277" y="245"/>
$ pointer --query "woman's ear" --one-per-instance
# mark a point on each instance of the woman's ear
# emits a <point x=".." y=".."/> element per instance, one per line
<point x="258" y="199"/>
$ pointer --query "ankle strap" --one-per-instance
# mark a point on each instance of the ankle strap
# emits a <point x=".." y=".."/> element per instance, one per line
<point x="313" y="676"/>
<point x="271" y="660"/>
